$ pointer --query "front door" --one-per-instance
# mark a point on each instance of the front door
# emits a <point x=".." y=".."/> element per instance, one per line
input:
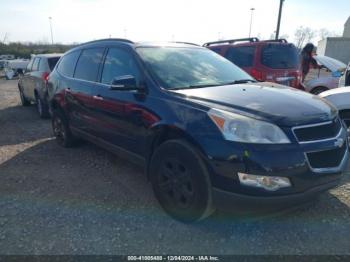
<point x="122" y="116"/>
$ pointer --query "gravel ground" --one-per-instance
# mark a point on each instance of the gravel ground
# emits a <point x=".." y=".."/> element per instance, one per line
<point x="85" y="200"/>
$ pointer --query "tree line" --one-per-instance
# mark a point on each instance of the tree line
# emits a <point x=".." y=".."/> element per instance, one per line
<point x="25" y="50"/>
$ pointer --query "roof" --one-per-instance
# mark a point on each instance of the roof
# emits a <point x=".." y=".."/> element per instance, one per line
<point x="137" y="44"/>
<point x="48" y="55"/>
<point x="245" y="41"/>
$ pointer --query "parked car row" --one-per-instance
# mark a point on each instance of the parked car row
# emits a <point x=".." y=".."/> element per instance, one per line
<point x="33" y="84"/>
<point x="13" y="68"/>
<point x="207" y="133"/>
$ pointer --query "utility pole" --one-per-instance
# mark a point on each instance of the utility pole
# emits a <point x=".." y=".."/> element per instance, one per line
<point x="5" y="38"/>
<point x="279" y="20"/>
<point x="251" y="20"/>
<point x="50" y="20"/>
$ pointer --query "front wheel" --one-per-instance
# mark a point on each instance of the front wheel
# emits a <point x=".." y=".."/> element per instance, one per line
<point x="61" y="130"/>
<point x="181" y="182"/>
<point x="318" y="90"/>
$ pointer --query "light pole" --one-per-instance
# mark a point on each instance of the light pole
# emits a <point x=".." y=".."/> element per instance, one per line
<point x="50" y="20"/>
<point x="251" y="20"/>
<point x="279" y="19"/>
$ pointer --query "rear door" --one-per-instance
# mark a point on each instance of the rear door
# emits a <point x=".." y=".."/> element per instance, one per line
<point x="25" y="79"/>
<point x="78" y="94"/>
<point x="29" y="88"/>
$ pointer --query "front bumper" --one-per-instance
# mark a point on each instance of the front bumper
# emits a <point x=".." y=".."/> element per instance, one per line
<point x="229" y="201"/>
<point x="226" y="159"/>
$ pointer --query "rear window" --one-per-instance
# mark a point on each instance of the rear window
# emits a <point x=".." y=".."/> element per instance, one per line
<point x="67" y="63"/>
<point x="52" y="62"/>
<point x="88" y="64"/>
<point x="278" y="56"/>
<point x="216" y="49"/>
<point x="242" y="56"/>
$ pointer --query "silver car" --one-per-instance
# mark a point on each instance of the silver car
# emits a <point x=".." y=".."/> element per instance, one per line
<point x="32" y="85"/>
<point x="326" y="77"/>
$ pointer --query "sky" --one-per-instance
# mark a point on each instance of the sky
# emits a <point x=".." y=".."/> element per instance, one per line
<point x="195" y="21"/>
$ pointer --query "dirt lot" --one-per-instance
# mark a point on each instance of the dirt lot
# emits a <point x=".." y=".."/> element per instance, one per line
<point x="85" y="200"/>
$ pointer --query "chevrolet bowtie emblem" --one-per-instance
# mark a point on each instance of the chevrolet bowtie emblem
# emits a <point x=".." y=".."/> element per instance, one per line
<point x="339" y="142"/>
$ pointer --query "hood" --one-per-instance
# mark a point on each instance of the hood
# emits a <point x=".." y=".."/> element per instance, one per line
<point x="335" y="91"/>
<point x="331" y="64"/>
<point x="266" y="101"/>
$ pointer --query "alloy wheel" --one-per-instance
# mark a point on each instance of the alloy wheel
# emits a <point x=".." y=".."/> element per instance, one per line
<point x="176" y="184"/>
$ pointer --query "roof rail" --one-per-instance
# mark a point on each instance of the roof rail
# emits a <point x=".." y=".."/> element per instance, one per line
<point x="281" y="40"/>
<point x="187" y="43"/>
<point x="109" y="39"/>
<point x="231" y="41"/>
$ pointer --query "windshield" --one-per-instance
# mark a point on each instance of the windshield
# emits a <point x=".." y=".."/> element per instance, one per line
<point x="178" y="67"/>
<point x="277" y="56"/>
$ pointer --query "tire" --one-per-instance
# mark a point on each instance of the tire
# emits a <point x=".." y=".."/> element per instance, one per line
<point x="318" y="90"/>
<point x="61" y="130"/>
<point x="24" y="100"/>
<point x="41" y="107"/>
<point x="180" y="181"/>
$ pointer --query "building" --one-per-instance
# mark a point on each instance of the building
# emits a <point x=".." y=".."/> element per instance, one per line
<point x="337" y="47"/>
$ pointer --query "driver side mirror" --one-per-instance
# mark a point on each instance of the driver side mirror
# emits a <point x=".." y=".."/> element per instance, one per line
<point x="126" y="82"/>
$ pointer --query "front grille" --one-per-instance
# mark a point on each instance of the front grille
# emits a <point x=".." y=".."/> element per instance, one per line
<point x="327" y="159"/>
<point x="318" y="132"/>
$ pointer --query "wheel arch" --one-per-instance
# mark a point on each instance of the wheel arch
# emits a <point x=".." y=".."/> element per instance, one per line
<point x="319" y="87"/>
<point x="165" y="132"/>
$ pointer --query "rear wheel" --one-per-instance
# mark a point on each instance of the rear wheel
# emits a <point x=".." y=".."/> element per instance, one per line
<point x="181" y="182"/>
<point x="61" y="131"/>
<point x="24" y="100"/>
<point x="318" y="90"/>
<point x="42" y="108"/>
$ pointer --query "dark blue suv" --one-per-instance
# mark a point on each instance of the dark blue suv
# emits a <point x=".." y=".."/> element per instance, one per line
<point x="206" y="132"/>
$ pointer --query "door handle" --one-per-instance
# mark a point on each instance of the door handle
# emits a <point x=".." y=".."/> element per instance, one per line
<point x="98" y="97"/>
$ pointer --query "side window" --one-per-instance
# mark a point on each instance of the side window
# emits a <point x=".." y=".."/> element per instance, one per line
<point x="242" y="56"/>
<point x="29" y="66"/>
<point x="67" y="63"/>
<point x="88" y="64"/>
<point x="118" y="63"/>
<point x="43" y="64"/>
<point x="36" y="64"/>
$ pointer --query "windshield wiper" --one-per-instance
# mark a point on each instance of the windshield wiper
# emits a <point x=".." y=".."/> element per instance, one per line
<point x="194" y="86"/>
<point x="241" y="81"/>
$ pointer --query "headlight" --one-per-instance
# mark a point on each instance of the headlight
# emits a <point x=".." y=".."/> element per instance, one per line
<point x="239" y="128"/>
<point x="270" y="183"/>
